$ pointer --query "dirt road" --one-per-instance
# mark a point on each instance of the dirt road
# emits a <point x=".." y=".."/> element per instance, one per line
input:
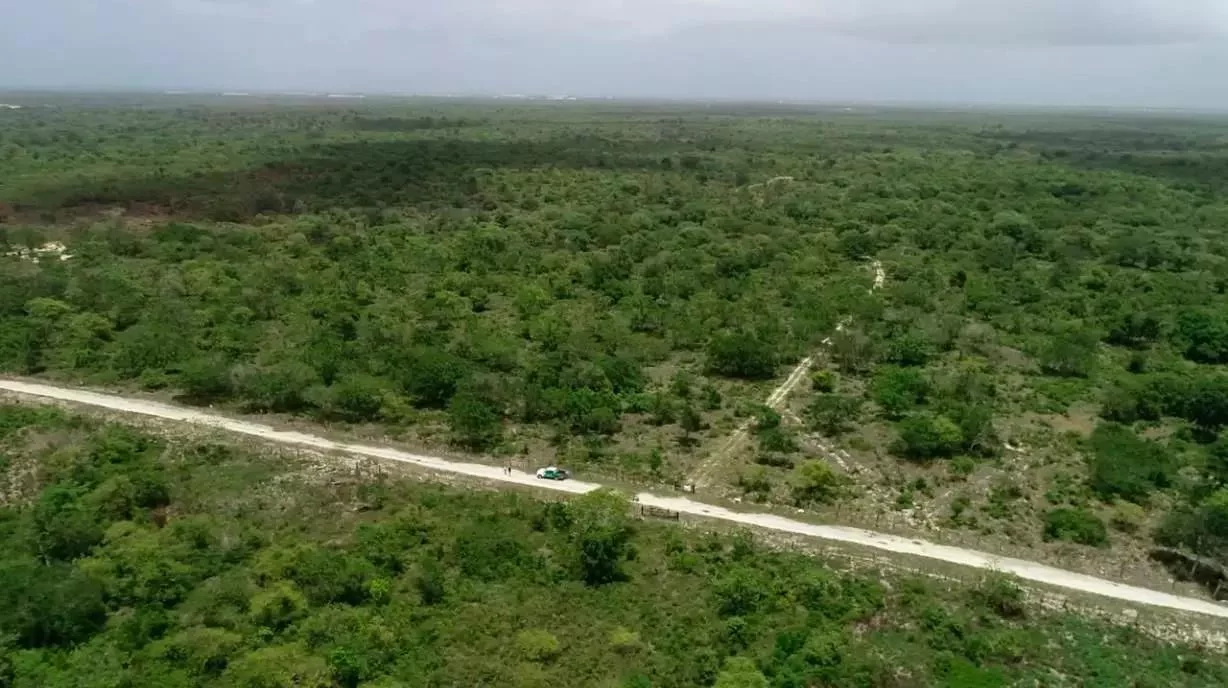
<point x="1028" y="571"/>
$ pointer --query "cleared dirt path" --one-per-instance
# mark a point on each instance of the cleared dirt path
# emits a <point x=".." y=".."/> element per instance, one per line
<point x="704" y="475"/>
<point x="1026" y="570"/>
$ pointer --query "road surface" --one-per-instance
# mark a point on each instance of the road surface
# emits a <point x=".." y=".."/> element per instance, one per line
<point x="1025" y="570"/>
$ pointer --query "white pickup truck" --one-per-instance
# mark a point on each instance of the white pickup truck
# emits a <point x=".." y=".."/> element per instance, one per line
<point x="552" y="473"/>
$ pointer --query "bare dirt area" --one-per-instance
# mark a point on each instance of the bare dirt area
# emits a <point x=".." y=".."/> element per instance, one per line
<point x="1028" y="571"/>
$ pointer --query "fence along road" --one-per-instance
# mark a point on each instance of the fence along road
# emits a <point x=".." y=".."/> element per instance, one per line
<point x="1025" y="570"/>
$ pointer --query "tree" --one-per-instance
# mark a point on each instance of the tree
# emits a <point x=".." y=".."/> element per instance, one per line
<point x="742" y="591"/>
<point x="976" y="427"/>
<point x="833" y="414"/>
<point x="47" y="606"/>
<point x="430" y="376"/>
<point x="356" y="398"/>
<point x="1207" y="405"/>
<point x="1127" y="466"/>
<point x="1214" y="515"/>
<point x="1070" y="355"/>
<point x="64" y="527"/>
<point x="203" y="651"/>
<point x="1135" y="329"/>
<point x="691" y="422"/>
<point x="852" y="350"/>
<point x="280" y="387"/>
<point x="740" y="672"/>
<point x="899" y="390"/>
<point x="279" y="666"/>
<point x="925" y="436"/>
<point x="909" y="349"/>
<point x="278" y="606"/>
<point x="1076" y="525"/>
<point x="600" y="533"/>
<point x="475" y="418"/>
<point x="1203" y="335"/>
<point x="536" y="645"/>
<point x="814" y="482"/>
<point x="742" y="355"/>
<point x="1216" y="463"/>
<point x="206" y="379"/>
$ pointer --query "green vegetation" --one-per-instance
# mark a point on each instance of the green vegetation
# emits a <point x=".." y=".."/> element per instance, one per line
<point x="618" y="287"/>
<point x="1076" y="525"/>
<point x="132" y="560"/>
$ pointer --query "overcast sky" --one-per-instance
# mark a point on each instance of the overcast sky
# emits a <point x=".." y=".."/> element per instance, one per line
<point x="1163" y="53"/>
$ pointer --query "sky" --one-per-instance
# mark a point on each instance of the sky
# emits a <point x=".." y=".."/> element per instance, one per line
<point x="1121" y="53"/>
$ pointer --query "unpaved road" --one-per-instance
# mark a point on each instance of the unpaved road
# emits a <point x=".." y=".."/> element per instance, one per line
<point x="776" y="400"/>
<point x="1028" y="571"/>
<point x="703" y="476"/>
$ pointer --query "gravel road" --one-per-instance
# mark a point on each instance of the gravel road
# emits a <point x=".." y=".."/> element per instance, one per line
<point x="1025" y="570"/>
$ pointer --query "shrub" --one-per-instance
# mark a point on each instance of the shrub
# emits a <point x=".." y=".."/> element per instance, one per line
<point x="777" y="440"/>
<point x="1127" y="466"/>
<point x="925" y="436"/>
<point x="742" y="355"/>
<point x="742" y="591"/>
<point x="1001" y="595"/>
<point x="1075" y="525"/>
<point x="1070" y="355"/>
<point x="774" y="460"/>
<point x="909" y="349"/>
<point x="475" y="418"/>
<point x="1128" y="517"/>
<point x="823" y="381"/>
<point x="740" y="672"/>
<point x="832" y="414"/>
<point x="625" y="641"/>
<point x="814" y="482"/>
<point x="538" y="646"/>
<point x="898" y="390"/>
<point x="1203" y="336"/>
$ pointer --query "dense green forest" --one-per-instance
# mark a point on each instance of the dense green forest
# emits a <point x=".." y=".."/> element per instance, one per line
<point x="617" y="287"/>
<point x="127" y="559"/>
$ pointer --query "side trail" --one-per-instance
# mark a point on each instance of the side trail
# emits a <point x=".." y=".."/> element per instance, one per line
<point x="705" y="474"/>
<point x="1025" y="570"/>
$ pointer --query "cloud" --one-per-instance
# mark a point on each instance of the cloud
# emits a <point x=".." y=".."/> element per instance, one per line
<point x="1035" y="51"/>
<point x="993" y="22"/>
<point x="1035" y="22"/>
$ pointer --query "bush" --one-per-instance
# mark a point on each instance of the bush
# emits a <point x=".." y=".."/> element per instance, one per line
<point x="740" y="672"/>
<point x="1075" y="525"/>
<point x="354" y="399"/>
<point x="625" y="641"/>
<point x="1002" y="596"/>
<point x="475" y="418"/>
<point x="909" y="349"/>
<point x="742" y="355"/>
<point x="1202" y="335"/>
<point x="832" y="414"/>
<point x="823" y="381"/>
<point x="431" y="376"/>
<point x="601" y="535"/>
<point x="1128" y="517"/>
<point x="925" y="436"/>
<point x="814" y="482"/>
<point x="777" y="440"/>
<point x="1070" y="355"/>
<point x="538" y="646"/>
<point x="1127" y="466"/>
<point x="898" y="390"/>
